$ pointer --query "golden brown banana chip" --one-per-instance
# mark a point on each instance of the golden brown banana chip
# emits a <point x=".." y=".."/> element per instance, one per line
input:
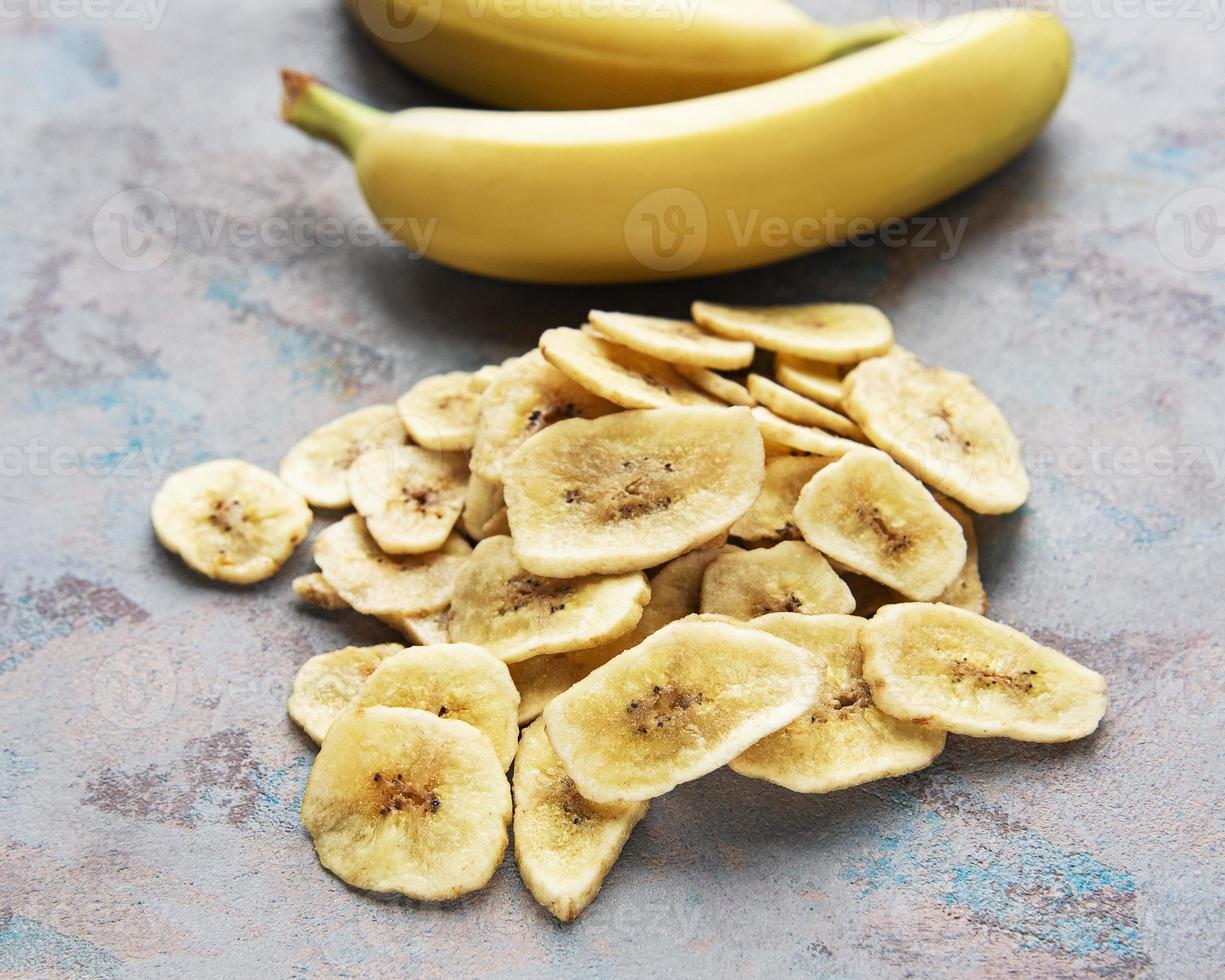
<point x="499" y="523"/>
<point x="837" y="333"/>
<point x="725" y="389"/>
<point x="326" y="684"/>
<point x="674" y="341"/>
<point x="870" y="514"/>
<point x="410" y="497"/>
<point x="788" y="577"/>
<point x="540" y="679"/>
<point x="516" y="614"/>
<point x="423" y="629"/>
<point x="770" y="517"/>
<point x="317" y="466"/>
<point x="318" y="591"/>
<point x="400" y="800"/>
<point x="564" y="845"/>
<point x="802" y="437"/>
<point x="631" y="490"/>
<point x="941" y="427"/>
<point x="440" y="411"/>
<point x="843" y="739"/>
<point x="948" y="668"/>
<point x="482" y="500"/>
<point x="795" y="408"/>
<point x="812" y="379"/>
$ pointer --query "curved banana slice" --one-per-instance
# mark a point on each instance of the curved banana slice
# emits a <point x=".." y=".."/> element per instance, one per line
<point x="326" y="684"/>
<point x="410" y="497"/>
<point x="786" y="404"/>
<point x="787" y="577"/>
<point x="499" y="523"/>
<point x="440" y="411"/>
<point x="843" y="739"/>
<point x="400" y="800"/>
<point x="564" y="845"/>
<point x="674" y="341"/>
<point x="870" y="514"/>
<point x="812" y="379"/>
<point x="540" y="679"/>
<point x="804" y="438"/>
<point x="631" y="490"/>
<point x="379" y="584"/>
<point x="528" y="395"/>
<point x="230" y="520"/>
<point x="423" y="629"/>
<point x="623" y="376"/>
<point x="837" y="333"/>
<point x="317" y="465"/>
<point x="941" y="427"/>
<point x="451" y="680"/>
<point x="482" y="500"/>
<point x="948" y="668"/>
<point x="770" y="517"/>
<point x="684" y="702"/>
<point x="516" y="614"/>
<point x="318" y="591"/>
<point x="725" y="389"/>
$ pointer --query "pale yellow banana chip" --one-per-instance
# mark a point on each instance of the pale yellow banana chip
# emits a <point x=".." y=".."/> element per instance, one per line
<point x="482" y="500"/>
<point x="674" y="341"/>
<point x="421" y="628"/>
<point x="400" y="800"/>
<point x="941" y="427"/>
<point x="326" y="684"/>
<point x="812" y="379"/>
<point x="795" y="408"/>
<point x="516" y="614"/>
<point x="318" y="591"/>
<point x="565" y="845"/>
<point x="230" y="520"/>
<point x="684" y="702"/>
<point x="770" y="517"/>
<point x="540" y="679"/>
<point x="440" y="411"/>
<point x="837" y="333"/>
<point x="318" y="465"/>
<point x="409" y="496"/>
<point x="802" y="437"/>
<point x="870" y="514"/>
<point x="787" y="577"/>
<point x="948" y="668"/>
<point x="725" y="389"/>
<point x="499" y="523"/>
<point x="843" y="739"/>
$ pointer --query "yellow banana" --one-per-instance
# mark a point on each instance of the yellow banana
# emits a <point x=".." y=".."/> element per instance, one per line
<point x="604" y="54"/>
<point x="708" y="185"/>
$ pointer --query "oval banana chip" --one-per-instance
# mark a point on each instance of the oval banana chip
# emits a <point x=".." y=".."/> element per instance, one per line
<point x="951" y="669"/>
<point x="410" y="497"/>
<point x="422" y="629"/>
<point x="812" y="379"/>
<point x="789" y="577"/>
<point x="516" y="614"/>
<point x="771" y="516"/>
<point x="318" y="591"/>
<point x="674" y="341"/>
<point x="870" y="514"/>
<point x="440" y="411"/>
<point x="317" y="466"/>
<point x="802" y="437"/>
<point x="400" y="800"/>
<point x="230" y="520"/>
<point x="631" y="490"/>
<point x="540" y="679"/>
<point x="565" y="845"/>
<point x="836" y="333"/>
<point x="482" y="500"/>
<point x="843" y="739"/>
<point x="786" y="404"/>
<point x="941" y="427"/>
<point x="724" y="389"/>
<point x="684" y="702"/>
<point x="327" y="683"/>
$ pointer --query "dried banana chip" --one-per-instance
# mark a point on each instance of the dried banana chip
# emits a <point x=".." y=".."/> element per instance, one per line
<point x="451" y="680"/>
<point x="564" y="845"/>
<point x="804" y="438"/>
<point x="631" y="490"/>
<point x="400" y="800"/>
<point x="230" y="520"/>
<point x="516" y="614"/>
<point x="540" y="679"/>
<point x="318" y="591"/>
<point x="788" y="577"/>
<point x="440" y="411"/>
<point x="499" y="523"/>
<point x="770" y="517"/>
<point x="410" y="497"/>
<point x="317" y="466"/>
<point x="843" y="739"/>
<point x="966" y="590"/>
<point x="423" y="629"/>
<point x="870" y="514"/>
<point x="379" y="584"/>
<point x="837" y="333"/>
<point x="725" y="389"/>
<point x="948" y="668"/>
<point x="482" y="500"/>
<point x="684" y="702"/>
<point x="812" y="379"/>
<point x="674" y="341"/>
<point x="941" y="427"/>
<point x="802" y="411"/>
<point x="326" y="684"/>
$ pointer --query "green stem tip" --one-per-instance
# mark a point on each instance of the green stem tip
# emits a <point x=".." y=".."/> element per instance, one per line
<point x="324" y="113"/>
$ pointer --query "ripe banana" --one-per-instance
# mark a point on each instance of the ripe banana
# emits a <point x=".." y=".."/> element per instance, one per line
<point x="567" y="54"/>
<point x="708" y="185"/>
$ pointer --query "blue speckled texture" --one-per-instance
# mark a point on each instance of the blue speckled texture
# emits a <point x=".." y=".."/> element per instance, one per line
<point x="149" y="779"/>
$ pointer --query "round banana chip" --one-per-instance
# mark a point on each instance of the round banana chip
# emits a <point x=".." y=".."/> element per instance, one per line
<point x="725" y="389"/>
<point x="674" y="341"/>
<point x="317" y="466"/>
<point x="424" y="629"/>
<point x="870" y="514"/>
<point x="528" y="395"/>
<point x="540" y="679"/>
<point x="789" y="577"/>
<point x="400" y="800"/>
<point x="410" y="497"/>
<point x="326" y="684"/>
<point x="451" y="680"/>
<point x="318" y="591"/>
<point x="941" y="427"/>
<point x="623" y="376"/>
<point x="812" y="379"/>
<point x="802" y="437"/>
<point x="482" y="500"/>
<point x="631" y="490"/>
<point x="786" y="404"/>
<point x="684" y="702"/>
<point x="837" y="333"/>
<point x="948" y="668"/>
<point x="564" y="845"/>
<point x="770" y="517"/>
<point x="379" y="584"/>
<point x="230" y="520"/>
<point x="440" y="411"/>
<point x="516" y="614"/>
<point x="843" y="739"/>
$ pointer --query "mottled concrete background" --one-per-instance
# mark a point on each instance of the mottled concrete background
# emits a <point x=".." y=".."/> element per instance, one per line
<point x="149" y="778"/>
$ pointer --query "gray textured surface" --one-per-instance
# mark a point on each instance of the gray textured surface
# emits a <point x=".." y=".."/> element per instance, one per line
<point x="149" y="779"/>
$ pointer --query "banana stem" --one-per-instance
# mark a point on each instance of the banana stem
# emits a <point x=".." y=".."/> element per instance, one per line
<point x="324" y="113"/>
<point x="847" y="38"/>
